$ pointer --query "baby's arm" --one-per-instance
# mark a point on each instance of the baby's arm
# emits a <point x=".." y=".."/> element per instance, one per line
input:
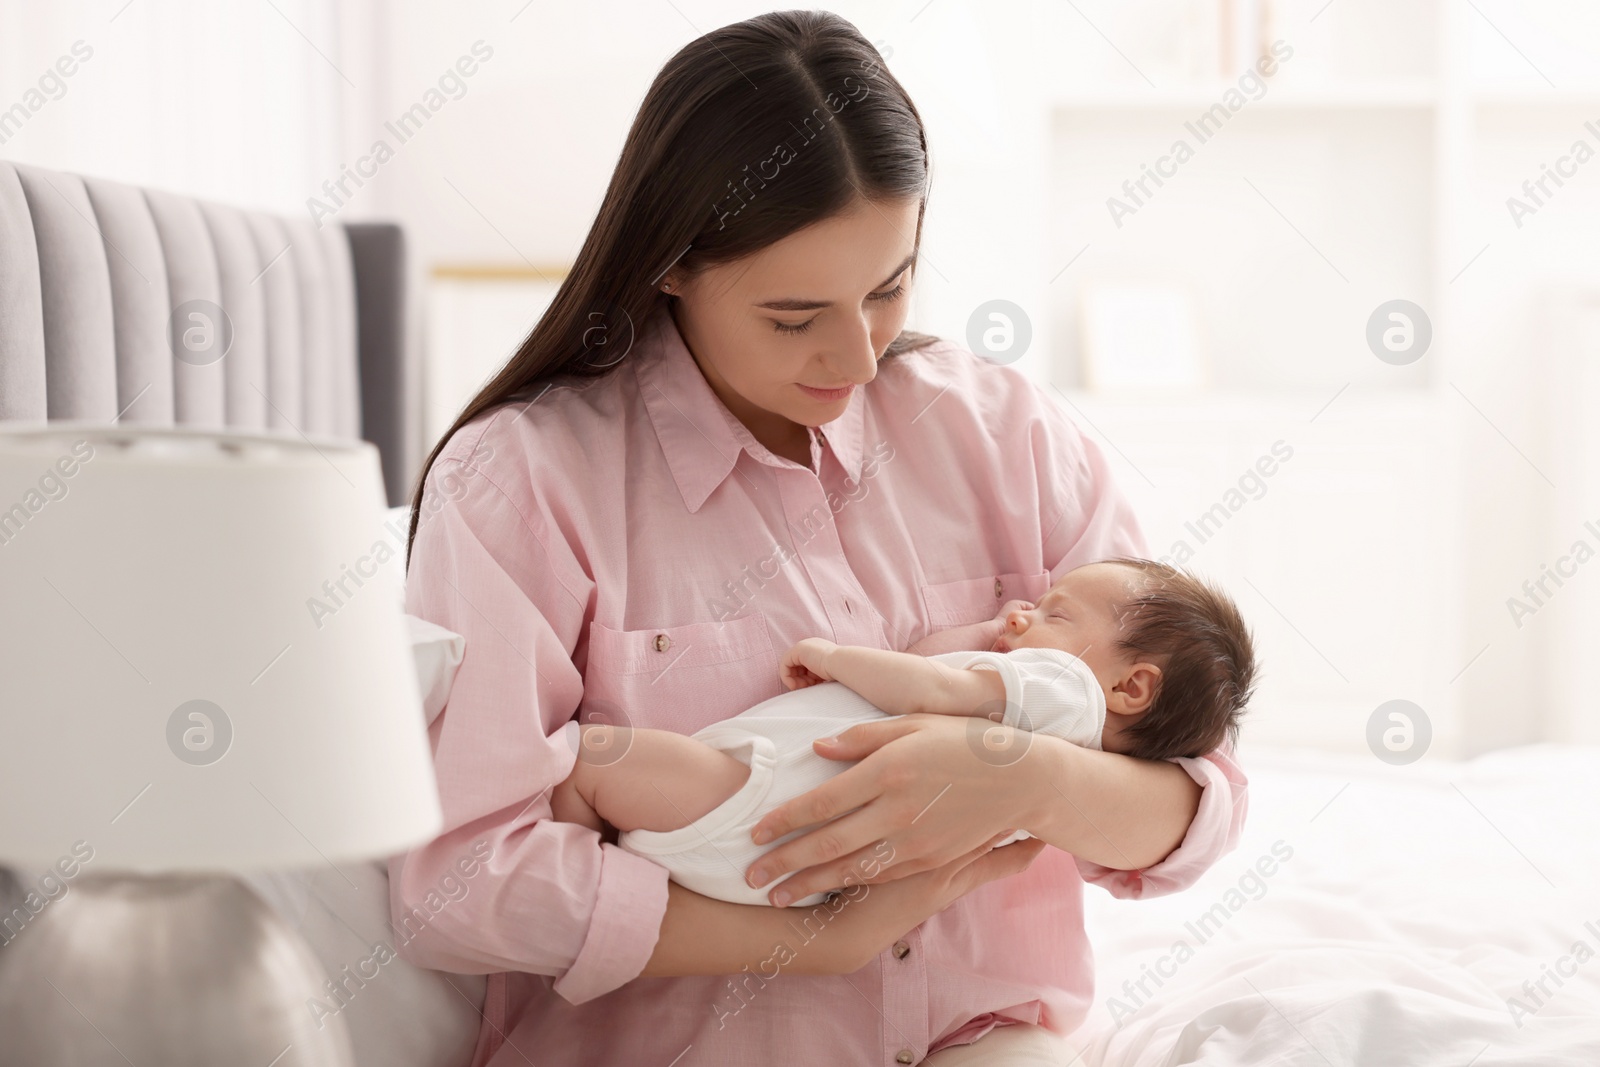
<point x="643" y="779"/>
<point x="898" y="683"/>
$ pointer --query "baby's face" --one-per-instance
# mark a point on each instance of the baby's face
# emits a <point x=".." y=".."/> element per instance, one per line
<point x="1080" y="614"/>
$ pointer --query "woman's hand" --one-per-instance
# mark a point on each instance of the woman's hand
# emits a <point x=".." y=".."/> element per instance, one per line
<point x="806" y="663"/>
<point x="932" y="787"/>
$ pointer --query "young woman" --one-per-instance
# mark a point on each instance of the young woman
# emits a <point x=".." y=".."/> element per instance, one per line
<point x="719" y="440"/>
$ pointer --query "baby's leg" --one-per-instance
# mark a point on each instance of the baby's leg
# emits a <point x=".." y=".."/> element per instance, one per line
<point x="661" y="780"/>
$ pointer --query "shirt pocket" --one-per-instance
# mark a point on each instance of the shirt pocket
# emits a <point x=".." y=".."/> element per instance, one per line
<point x="679" y="678"/>
<point x="977" y="599"/>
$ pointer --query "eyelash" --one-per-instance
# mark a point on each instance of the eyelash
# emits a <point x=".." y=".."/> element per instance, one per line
<point x="892" y="294"/>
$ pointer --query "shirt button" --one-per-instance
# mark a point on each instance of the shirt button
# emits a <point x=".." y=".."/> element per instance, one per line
<point x="663" y="642"/>
<point x="905" y="1055"/>
<point x="998" y="589"/>
<point x="901" y="950"/>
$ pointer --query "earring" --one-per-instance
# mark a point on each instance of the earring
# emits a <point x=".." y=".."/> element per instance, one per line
<point x="666" y="287"/>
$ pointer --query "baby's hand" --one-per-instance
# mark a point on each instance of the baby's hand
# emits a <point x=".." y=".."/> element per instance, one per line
<point x="805" y="663"/>
<point x="1014" y="605"/>
<point x="996" y="626"/>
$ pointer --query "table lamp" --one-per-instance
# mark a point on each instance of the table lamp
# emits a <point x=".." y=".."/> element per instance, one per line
<point x="202" y="673"/>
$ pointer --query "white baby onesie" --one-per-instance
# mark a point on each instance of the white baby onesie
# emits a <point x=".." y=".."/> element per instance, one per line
<point x="1047" y="692"/>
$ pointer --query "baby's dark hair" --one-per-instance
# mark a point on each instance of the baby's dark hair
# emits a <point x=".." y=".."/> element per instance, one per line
<point x="1210" y="668"/>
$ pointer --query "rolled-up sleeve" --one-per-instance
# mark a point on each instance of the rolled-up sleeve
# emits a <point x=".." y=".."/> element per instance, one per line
<point x="542" y="896"/>
<point x="1212" y="833"/>
<point x="1093" y="521"/>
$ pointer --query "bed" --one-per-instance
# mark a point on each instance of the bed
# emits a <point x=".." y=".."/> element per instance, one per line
<point x="1436" y="913"/>
<point x="1439" y="913"/>
<point x="99" y="278"/>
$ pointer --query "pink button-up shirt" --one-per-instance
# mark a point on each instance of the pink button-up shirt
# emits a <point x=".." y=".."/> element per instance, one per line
<point x="623" y="548"/>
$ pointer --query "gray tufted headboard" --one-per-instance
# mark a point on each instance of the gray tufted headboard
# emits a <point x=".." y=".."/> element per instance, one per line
<point x="92" y="271"/>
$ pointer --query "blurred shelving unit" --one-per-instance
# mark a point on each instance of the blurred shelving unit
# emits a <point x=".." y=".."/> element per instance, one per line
<point x="1378" y="163"/>
<point x="1310" y="196"/>
<point x="1357" y="170"/>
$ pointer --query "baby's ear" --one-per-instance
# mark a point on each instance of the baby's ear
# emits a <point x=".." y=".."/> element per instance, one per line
<point x="1136" y="692"/>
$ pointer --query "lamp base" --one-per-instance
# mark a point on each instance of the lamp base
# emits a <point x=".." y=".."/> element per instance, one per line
<point x="184" y="971"/>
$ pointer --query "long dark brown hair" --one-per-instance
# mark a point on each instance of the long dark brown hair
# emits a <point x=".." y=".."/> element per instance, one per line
<point x="748" y="134"/>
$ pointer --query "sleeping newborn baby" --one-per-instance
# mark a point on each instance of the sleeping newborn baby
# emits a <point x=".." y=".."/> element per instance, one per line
<point x="1126" y="656"/>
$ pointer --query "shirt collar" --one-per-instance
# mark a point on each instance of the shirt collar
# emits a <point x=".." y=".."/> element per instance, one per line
<point x="700" y="437"/>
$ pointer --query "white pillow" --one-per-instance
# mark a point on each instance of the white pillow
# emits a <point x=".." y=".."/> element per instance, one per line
<point x="402" y="1015"/>
<point x="437" y="653"/>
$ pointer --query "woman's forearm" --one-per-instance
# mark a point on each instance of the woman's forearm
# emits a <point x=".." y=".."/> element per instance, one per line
<point x="1109" y="809"/>
<point x="702" y="935"/>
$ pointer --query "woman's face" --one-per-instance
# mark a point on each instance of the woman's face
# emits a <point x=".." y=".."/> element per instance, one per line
<point x="785" y="336"/>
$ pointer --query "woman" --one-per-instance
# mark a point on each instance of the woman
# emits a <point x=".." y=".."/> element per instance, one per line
<point x="718" y="441"/>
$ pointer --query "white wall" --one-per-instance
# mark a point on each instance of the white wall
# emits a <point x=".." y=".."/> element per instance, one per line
<point x="223" y="100"/>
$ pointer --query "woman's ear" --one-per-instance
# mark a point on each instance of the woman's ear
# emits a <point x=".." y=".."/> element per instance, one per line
<point x="1133" y="694"/>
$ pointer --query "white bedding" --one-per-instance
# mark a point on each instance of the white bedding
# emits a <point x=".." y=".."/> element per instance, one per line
<point x="1414" y="905"/>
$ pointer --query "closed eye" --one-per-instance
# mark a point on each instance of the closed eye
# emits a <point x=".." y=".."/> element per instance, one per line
<point x="801" y="327"/>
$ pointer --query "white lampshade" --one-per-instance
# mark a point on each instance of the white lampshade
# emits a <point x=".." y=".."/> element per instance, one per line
<point x="143" y="571"/>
